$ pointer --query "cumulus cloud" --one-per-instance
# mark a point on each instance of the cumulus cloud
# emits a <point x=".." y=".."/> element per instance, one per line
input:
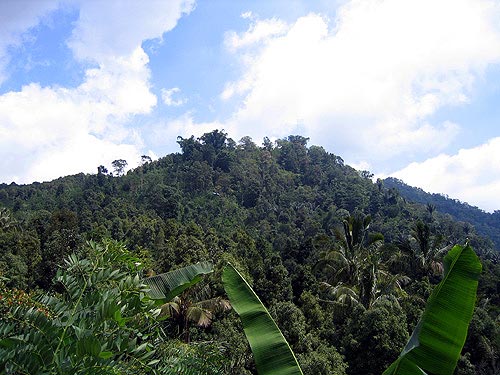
<point x="471" y="175"/>
<point x="46" y="132"/>
<point x="368" y="81"/>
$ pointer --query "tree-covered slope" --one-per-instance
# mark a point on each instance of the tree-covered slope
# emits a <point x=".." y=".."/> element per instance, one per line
<point x="486" y="224"/>
<point x="336" y="258"/>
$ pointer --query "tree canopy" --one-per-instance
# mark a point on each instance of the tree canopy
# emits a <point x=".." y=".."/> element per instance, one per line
<point x="291" y="218"/>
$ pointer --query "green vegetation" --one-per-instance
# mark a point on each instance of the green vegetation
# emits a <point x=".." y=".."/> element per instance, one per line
<point x="270" y="349"/>
<point x="438" y="338"/>
<point x="485" y="223"/>
<point x="104" y="321"/>
<point x="344" y="265"/>
<point x="96" y="323"/>
<point x="169" y="285"/>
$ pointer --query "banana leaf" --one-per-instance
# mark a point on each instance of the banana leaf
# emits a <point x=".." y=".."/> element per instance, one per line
<point x="272" y="354"/>
<point x="166" y="286"/>
<point x="436" y="343"/>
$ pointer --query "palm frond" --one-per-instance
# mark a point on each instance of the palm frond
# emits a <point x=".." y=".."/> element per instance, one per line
<point x="217" y="304"/>
<point x="202" y="317"/>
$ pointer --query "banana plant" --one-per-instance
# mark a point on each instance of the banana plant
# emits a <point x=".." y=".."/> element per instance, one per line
<point x="170" y="290"/>
<point x="436" y="343"/>
<point x="168" y="285"/>
<point x="272" y="354"/>
<point x="434" y="347"/>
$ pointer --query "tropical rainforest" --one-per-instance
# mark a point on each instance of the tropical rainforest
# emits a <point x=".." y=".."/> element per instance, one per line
<point x="343" y="264"/>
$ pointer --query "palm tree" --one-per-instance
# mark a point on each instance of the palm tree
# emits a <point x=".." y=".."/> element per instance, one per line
<point x="194" y="305"/>
<point x="183" y="300"/>
<point x="356" y="273"/>
<point x="422" y="252"/>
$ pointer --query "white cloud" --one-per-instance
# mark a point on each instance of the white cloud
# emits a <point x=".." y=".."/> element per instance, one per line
<point x="17" y="17"/>
<point x="472" y="175"/>
<point x="167" y="96"/>
<point x="46" y="132"/>
<point x="361" y="166"/>
<point x="367" y="82"/>
<point x="258" y="32"/>
<point x="184" y="126"/>
<point x="56" y="131"/>
<point x="114" y="28"/>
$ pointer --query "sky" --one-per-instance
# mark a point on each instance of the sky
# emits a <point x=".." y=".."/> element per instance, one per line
<point x="403" y="88"/>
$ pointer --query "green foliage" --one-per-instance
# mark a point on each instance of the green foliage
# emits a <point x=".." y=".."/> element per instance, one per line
<point x="181" y="304"/>
<point x="422" y="252"/>
<point x="482" y="346"/>
<point x="20" y="254"/>
<point x="486" y="224"/>
<point x="270" y="349"/>
<point x="119" y="166"/>
<point x="292" y="323"/>
<point x="438" y="339"/>
<point x="97" y="324"/>
<point x="7" y="221"/>
<point x="270" y="209"/>
<point x="374" y="338"/>
<point x="168" y="285"/>
<point x="228" y="331"/>
<point x="355" y="269"/>
<point x="323" y="361"/>
<point x="204" y="358"/>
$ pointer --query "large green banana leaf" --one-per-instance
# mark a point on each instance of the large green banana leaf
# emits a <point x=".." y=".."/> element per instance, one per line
<point x="435" y="345"/>
<point x="272" y="354"/>
<point x="168" y="285"/>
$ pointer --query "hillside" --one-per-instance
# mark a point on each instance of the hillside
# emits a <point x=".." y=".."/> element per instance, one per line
<point x="278" y="212"/>
<point x="486" y="224"/>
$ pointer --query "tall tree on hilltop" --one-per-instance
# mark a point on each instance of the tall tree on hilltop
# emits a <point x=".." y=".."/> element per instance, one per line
<point x="119" y="166"/>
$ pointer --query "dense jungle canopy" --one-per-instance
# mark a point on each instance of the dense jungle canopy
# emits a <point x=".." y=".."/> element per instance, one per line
<point x="344" y="264"/>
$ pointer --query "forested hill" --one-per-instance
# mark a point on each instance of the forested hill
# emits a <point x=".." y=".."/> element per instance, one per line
<point x="485" y="223"/>
<point x="220" y="184"/>
<point x="293" y="218"/>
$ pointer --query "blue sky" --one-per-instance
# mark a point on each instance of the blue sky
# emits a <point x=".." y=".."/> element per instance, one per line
<point x="404" y="88"/>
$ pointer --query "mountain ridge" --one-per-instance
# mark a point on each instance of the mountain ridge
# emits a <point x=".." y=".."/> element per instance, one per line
<point x="487" y="224"/>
